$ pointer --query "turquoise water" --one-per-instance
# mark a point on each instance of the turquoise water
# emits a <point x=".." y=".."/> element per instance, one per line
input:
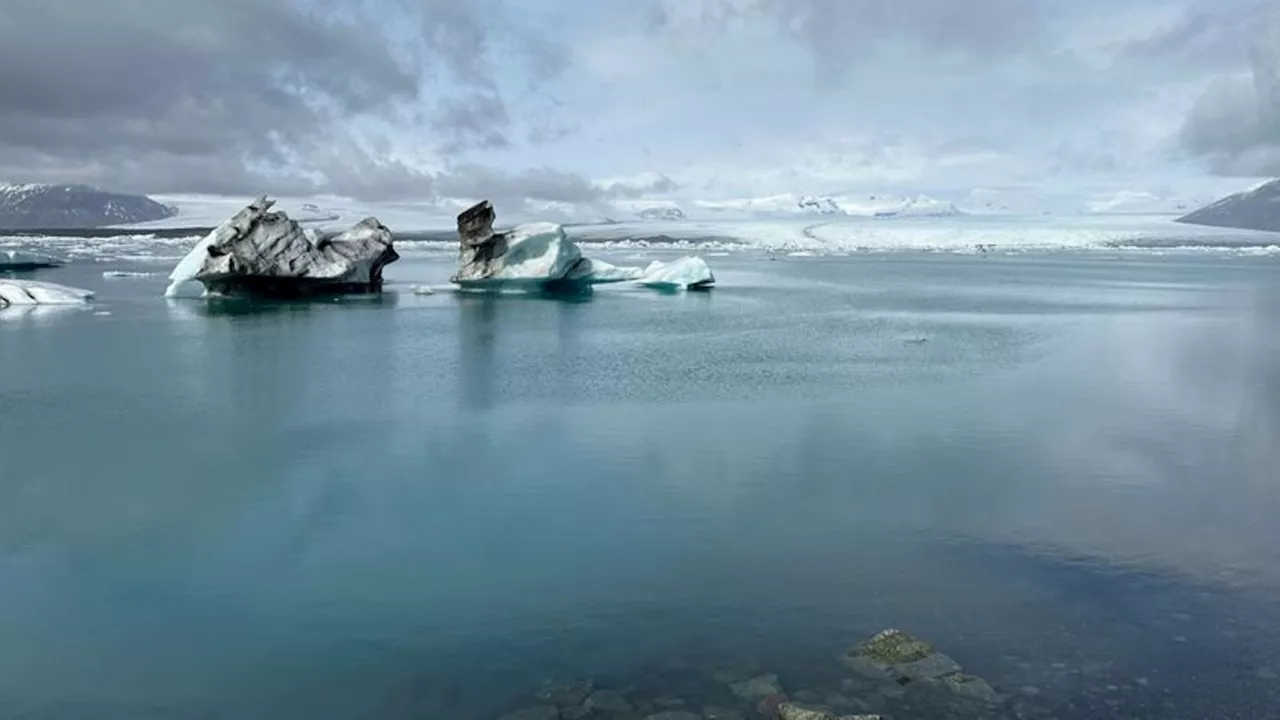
<point x="1059" y="468"/>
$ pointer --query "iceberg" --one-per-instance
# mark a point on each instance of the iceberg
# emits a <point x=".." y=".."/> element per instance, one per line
<point x="541" y="257"/>
<point x="263" y="253"/>
<point x="30" y="292"/>
<point x="687" y="273"/>
<point x="17" y="260"/>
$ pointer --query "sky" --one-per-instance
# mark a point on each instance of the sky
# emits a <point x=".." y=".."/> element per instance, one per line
<point x="597" y="104"/>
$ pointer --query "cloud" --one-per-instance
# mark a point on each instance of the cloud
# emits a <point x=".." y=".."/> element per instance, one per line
<point x="241" y="95"/>
<point x="542" y="184"/>
<point x="1235" y="123"/>
<point x="427" y="100"/>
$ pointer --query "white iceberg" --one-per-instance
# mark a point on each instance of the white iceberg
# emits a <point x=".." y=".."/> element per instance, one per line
<point x="30" y="292"/>
<point x="541" y="256"/>
<point x="686" y="273"/>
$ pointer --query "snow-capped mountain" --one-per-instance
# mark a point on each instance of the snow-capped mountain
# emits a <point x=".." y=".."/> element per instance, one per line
<point x="820" y="205"/>
<point x="870" y="206"/>
<point x="661" y="213"/>
<point x="28" y="207"/>
<point x="921" y="206"/>
<point x="1256" y="209"/>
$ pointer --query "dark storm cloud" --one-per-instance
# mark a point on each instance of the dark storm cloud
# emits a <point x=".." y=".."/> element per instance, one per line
<point x="236" y="95"/>
<point x="1235" y="124"/>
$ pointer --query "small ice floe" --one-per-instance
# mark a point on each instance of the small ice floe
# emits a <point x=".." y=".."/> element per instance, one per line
<point x="29" y="292"/>
<point x="423" y="290"/>
<point x="123" y="275"/>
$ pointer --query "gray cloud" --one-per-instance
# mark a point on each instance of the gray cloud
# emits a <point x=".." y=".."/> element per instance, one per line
<point x="477" y="120"/>
<point x="543" y="184"/>
<point x="1235" y="124"/>
<point x="1210" y="36"/>
<point x="238" y="96"/>
<point x="843" y="33"/>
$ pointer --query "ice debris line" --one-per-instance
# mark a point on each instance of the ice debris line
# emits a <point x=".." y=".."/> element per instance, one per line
<point x="31" y="292"/>
<point x="891" y="675"/>
<point x="265" y="254"/>
<point x="18" y="261"/>
<point x="541" y="257"/>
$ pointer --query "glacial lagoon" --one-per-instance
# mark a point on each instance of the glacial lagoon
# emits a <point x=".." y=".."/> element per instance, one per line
<point x="1058" y="468"/>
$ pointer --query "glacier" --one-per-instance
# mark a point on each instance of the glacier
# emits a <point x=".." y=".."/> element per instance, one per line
<point x="541" y="257"/>
<point x="31" y="292"/>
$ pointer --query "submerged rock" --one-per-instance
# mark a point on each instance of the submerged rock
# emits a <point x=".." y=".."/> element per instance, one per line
<point x="715" y="712"/>
<point x="895" y="654"/>
<point x="792" y="711"/>
<point x="932" y="667"/>
<point x="911" y="670"/>
<point x="971" y="687"/>
<point x="674" y="715"/>
<point x="758" y="688"/>
<point x="608" y="701"/>
<point x="544" y="712"/>
<point x="263" y="253"/>
<point x="892" y="647"/>
<point x="568" y="694"/>
<point x="541" y="257"/>
<point x="31" y="292"/>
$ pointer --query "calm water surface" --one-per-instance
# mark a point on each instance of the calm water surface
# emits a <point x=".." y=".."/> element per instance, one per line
<point x="1061" y="469"/>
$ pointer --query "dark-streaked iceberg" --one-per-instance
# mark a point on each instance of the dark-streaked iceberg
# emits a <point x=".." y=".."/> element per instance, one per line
<point x="261" y="253"/>
<point x="541" y="257"/>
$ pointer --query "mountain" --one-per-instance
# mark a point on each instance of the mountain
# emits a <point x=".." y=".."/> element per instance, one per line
<point x="661" y="213"/>
<point x="1256" y="209"/>
<point x="60" y="207"/>
<point x="819" y="205"/>
<point x="922" y="206"/>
